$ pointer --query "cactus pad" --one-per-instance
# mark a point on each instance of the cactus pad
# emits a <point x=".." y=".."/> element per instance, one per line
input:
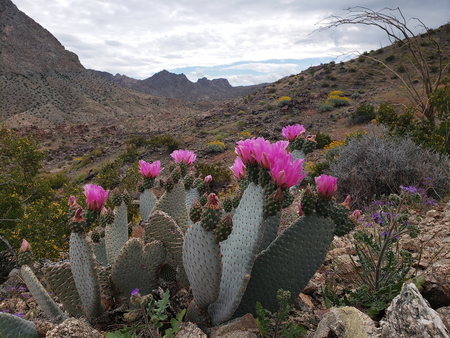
<point x="147" y="201"/>
<point x="288" y="263"/>
<point x="14" y="326"/>
<point x="41" y="296"/>
<point x="60" y="281"/>
<point x="137" y="266"/>
<point x="116" y="234"/>
<point x="201" y="250"/>
<point x="239" y="253"/>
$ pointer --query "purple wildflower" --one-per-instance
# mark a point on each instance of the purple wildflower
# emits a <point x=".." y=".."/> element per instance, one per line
<point x="18" y="314"/>
<point x="135" y="292"/>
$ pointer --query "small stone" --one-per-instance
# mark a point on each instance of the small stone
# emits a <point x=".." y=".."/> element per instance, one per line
<point x="190" y="330"/>
<point x="243" y="327"/>
<point x="432" y="213"/>
<point x="304" y="303"/>
<point x="73" y="328"/>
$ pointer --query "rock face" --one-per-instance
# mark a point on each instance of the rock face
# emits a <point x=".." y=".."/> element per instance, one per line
<point x="73" y="328"/>
<point x="410" y="316"/>
<point x="346" y="322"/>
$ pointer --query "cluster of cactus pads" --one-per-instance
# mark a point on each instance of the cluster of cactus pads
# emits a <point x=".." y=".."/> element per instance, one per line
<point x="229" y="253"/>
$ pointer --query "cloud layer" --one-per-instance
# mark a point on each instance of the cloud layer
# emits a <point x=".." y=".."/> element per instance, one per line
<point x="245" y="41"/>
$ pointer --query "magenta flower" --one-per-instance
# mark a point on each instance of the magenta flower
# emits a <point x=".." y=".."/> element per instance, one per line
<point x="266" y="153"/>
<point x="286" y="172"/>
<point x="291" y="132"/>
<point x="326" y="186"/>
<point x="238" y="168"/>
<point x="96" y="197"/>
<point x="184" y="155"/>
<point x="150" y="170"/>
<point x="207" y="179"/>
<point x="245" y="150"/>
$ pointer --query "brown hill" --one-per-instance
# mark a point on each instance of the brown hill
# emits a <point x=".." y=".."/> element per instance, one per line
<point x="44" y="85"/>
<point x="178" y="86"/>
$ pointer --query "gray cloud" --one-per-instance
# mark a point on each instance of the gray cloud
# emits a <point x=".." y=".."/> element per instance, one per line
<point x="141" y="37"/>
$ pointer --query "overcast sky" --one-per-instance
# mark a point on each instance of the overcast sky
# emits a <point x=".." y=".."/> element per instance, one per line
<point x="247" y="42"/>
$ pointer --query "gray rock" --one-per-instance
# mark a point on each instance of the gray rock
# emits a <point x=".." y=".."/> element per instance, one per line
<point x="190" y="330"/>
<point x="410" y="316"/>
<point x="243" y="327"/>
<point x="73" y="328"/>
<point x="346" y="322"/>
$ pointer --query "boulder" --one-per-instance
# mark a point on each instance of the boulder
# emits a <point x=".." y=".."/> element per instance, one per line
<point x="242" y="327"/>
<point x="190" y="330"/>
<point x="410" y="316"/>
<point x="346" y="322"/>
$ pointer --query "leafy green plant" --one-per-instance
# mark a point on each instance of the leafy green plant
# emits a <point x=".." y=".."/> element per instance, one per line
<point x="281" y="327"/>
<point x="322" y="139"/>
<point x="363" y="114"/>
<point x="215" y="147"/>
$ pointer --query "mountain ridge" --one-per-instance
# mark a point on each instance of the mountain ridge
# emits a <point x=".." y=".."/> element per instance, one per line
<point x="178" y="86"/>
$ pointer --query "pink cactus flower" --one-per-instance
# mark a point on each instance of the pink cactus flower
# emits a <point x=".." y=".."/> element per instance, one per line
<point x="78" y="217"/>
<point x="207" y="179"/>
<point x="184" y="155"/>
<point x="150" y="170"/>
<point x="245" y="150"/>
<point x="326" y="186"/>
<point x="238" y="168"/>
<point x="96" y="197"/>
<point x="356" y="215"/>
<point x="266" y="153"/>
<point x="290" y="133"/>
<point x="286" y="172"/>
<point x="25" y="246"/>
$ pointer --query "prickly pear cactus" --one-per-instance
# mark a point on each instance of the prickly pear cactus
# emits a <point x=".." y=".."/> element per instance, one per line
<point x="271" y="225"/>
<point x="60" y="282"/>
<point x="147" y="201"/>
<point x="116" y="234"/>
<point x="162" y="227"/>
<point x="174" y="204"/>
<point x="239" y="253"/>
<point x="41" y="295"/>
<point x="100" y="252"/>
<point x="288" y="263"/>
<point x="82" y="263"/>
<point x="201" y="249"/>
<point x="13" y="326"/>
<point x="137" y="265"/>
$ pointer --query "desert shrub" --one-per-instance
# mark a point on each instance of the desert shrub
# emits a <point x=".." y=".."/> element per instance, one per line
<point x="386" y="114"/>
<point x="245" y="134"/>
<point x="137" y="140"/>
<point x="390" y="58"/>
<point x="363" y="114"/>
<point x="220" y="173"/>
<point x="215" y="146"/>
<point x="323" y="107"/>
<point x="241" y="112"/>
<point x="109" y="177"/>
<point x="166" y="140"/>
<point x="283" y="101"/>
<point x="271" y="90"/>
<point x="376" y="164"/>
<point x="322" y="140"/>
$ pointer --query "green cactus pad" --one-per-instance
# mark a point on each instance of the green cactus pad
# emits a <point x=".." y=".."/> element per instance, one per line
<point x="203" y="264"/>
<point x="116" y="234"/>
<point x="13" y="326"/>
<point x="60" y="282"/>
<point x="239" y="253"/>
<point x="100" y="252"/>
<point x="137" y="266"/>
<point x="288" y="263"/>
<point x="163" y="228"/>
<point x="298" y="154"/>
<point x="82" y="263"/>
<point x="147" y="201"/>
<point x="271" y="225"/>
<point x="41" y="295"/>
<point x="191" y="195"/>
<point x="174" y="204"/>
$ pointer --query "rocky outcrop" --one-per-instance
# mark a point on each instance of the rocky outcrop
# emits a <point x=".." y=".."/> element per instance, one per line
<point x="409" y="316"/>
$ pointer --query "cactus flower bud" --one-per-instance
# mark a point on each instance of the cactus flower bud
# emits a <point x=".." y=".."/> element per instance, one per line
<point x="347" y="202"/>
<point x="326" y="186"/>
<point x="150" y="170"/>
<point x="96" y="197"/>
<point x="213" y="202"/>
<point x="78" y="217"/>
<point x="311" y="138"/>
<point x="290" y="133"/>
<point x="208" y="179"/>
<point x="184" y="155"/>
<point x="356" y="215"/>
<point x="25" y="246"/>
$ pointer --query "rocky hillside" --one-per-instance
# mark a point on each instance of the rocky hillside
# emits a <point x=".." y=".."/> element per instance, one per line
<point x="54" y="88"/>
<point x="178" y="86"/>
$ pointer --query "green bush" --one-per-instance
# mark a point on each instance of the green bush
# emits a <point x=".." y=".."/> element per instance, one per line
<point x="215" y="147"/>
<point x="363" y="114"/>
<point x="323" y="107"/>
<point x="322" y="140"/>
<point x="166" y="140"/>
<point x="219" y="171"/>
